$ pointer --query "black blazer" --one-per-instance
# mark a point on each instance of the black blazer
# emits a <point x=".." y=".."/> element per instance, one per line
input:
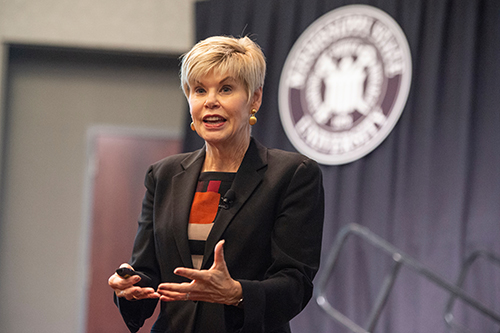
<point x="272" y="233"/>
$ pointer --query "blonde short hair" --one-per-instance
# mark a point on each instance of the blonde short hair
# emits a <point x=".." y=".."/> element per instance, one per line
<point x="240" y="58"/>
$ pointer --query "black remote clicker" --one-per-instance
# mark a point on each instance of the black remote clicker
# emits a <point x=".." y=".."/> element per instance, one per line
<point x="125" y="273"/>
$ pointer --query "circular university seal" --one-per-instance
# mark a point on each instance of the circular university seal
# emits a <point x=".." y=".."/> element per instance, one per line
<point x="344" y="84"/>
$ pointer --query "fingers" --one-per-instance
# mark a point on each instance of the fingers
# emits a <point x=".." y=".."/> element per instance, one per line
<point x="124" y="287"/>
<point x="137" y="293"/>
<point x="144" y="293"/>
<point x="219" y="254"/>
<point x="177" y="291"/>
<point x="170" y="295"/>
<point x="195" y="274"/>
<point x="194" y="290"/>
<point x="213" y="285"/>
<point x="192" y="274"/>
<point x="115" y="281"/>
<point x="173" y="289"/>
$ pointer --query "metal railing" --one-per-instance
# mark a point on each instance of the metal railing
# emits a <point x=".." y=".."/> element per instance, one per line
<point x="398" y="260"/>
<point x="448" y="317"/>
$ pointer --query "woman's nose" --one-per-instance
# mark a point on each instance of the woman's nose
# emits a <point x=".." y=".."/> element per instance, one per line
<point x="212" y="101"/>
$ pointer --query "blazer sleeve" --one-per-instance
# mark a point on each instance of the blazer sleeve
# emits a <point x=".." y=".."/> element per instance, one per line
<point x="296" y="246"/>
<point x="143" y="259"/>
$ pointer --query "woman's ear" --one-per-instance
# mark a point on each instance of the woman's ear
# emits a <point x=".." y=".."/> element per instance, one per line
<point x="257" y="99"/>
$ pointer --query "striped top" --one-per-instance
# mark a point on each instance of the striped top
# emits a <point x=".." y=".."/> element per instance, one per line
<point x="204" y="209"/>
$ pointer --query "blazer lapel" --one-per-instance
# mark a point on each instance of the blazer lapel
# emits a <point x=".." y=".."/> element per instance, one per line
<point x="248" y="177"/>
<point x="184" y="186"/>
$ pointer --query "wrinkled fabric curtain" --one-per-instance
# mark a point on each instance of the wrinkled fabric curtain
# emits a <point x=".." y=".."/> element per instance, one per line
<point x="432" y="188"/>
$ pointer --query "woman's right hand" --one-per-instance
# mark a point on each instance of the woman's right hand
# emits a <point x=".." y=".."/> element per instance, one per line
<point x="125" y="287"/>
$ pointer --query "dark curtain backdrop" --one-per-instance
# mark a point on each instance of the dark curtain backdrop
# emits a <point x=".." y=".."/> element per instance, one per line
<point x="432" y="188"/>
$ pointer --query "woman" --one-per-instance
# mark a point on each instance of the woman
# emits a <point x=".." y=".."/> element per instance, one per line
<point x="230" y="234"/>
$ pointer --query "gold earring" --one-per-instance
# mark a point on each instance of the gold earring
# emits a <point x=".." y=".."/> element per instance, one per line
<point x="253" y="119"/>
<point x="192" y="126"/>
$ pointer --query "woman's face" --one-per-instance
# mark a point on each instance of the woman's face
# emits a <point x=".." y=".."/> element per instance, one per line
<point x="220" y="109"/>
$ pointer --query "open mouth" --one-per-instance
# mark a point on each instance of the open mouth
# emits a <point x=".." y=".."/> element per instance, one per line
<point x="214" y="120"/>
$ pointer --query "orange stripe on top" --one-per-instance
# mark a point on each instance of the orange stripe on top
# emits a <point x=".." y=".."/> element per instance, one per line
<point x="205" y="204"/>
<point x="204" y="207"/>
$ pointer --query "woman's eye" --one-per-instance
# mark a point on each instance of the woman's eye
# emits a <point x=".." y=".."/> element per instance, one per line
<point x="199" y="90"/>
<point x="226" y="89"/>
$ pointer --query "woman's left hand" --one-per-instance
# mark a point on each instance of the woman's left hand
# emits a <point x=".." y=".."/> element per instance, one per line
<point x="214" y="285"/>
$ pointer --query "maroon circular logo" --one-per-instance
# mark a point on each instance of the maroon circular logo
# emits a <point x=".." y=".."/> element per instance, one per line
<point x="344" y="84"/>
